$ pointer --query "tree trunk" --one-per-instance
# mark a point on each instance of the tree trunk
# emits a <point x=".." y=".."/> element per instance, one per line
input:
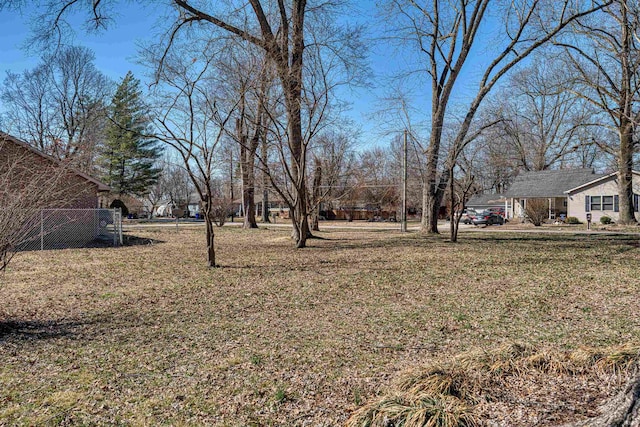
<point x="248" y="186"/>
<point x="453" y="221"/>
<point x="430" y="198"/>
<point x="208" y="219"/>
<point x="625" y="155"/>
<point x="625" y="179"/>
<point x="315" y="208"/>
<point x="293" y="93"/>
<point x="265" y="180"/>
<point x="621" y="411"/>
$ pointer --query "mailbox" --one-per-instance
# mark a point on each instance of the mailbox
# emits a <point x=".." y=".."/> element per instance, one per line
<point x="589" y="216"/>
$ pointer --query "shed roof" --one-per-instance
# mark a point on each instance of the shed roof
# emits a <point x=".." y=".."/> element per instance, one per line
<point x="486" y="200"/>
<point x="550" y="183"/>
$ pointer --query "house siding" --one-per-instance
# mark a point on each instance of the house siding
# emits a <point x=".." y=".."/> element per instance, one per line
<point x="577" y="199"/>
<point x="77" y="192"/>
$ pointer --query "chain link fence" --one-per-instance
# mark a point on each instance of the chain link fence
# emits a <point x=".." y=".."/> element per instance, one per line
<point x="72" y="228"/>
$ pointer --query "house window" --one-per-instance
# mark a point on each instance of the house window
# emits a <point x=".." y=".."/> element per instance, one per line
<point x="596" y="203"/>
<point x="564" y="203"/>
<point x="607" y="203"/>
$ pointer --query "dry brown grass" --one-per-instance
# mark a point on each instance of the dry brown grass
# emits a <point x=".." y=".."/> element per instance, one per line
<point x="505" y="386"/>
<point x="147" y="335"/>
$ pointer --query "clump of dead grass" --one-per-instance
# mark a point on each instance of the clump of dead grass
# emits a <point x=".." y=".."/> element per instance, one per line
<point x="457" y="393"/>
<point x="413" y="410"/>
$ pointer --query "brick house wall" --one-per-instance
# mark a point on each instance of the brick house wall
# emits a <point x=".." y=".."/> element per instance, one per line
<point x="73" y="189"/>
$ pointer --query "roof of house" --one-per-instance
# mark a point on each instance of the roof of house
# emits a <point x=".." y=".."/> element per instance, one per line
<point x="486" y="200"/>
<point x="6" y="137"/>
<point x="550" y="183"/>
<point x="596" y="181"/>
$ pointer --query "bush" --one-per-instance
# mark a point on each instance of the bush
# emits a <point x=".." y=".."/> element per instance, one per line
<point x="605" y="220"/>
<point x="117" y="203"/>
<point x="221" y="208"/>
<point x="573" y="220"/>
<point x="537" y="211"/>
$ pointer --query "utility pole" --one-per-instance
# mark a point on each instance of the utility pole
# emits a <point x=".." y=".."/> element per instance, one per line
<point x="403" y="226"/>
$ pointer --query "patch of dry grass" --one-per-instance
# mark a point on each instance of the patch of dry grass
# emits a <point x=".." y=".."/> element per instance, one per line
<point x="148" y="335"/>
<point x="510" y="385"/>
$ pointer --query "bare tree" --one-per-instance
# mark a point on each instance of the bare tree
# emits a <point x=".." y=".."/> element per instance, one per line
<point x="542" y="121"/>
<point x="445" y="32"/>
<point x="279" y="29"/>
<point x="460" y="190"/>
<point x="605" y="55"/>
<point x="60" y="106"/>
<point x="191" y="122"/>
<point x="377" y="179"/>
<point x="161" y="190"/>
<point x="247" y="77"/>
<point x="178" y="185"/>
<point x="334" y="170"/>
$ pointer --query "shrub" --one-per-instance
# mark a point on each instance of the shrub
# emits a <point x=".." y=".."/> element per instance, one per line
<point x="221" y="208"/>
<point x="573" y="220"/>
<point x="537" y="211"/>
<point x="605" y="220"/>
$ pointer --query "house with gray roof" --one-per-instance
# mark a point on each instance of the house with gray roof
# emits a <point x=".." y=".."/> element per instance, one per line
<point x="599" y="197"/>
<point x="552" y="185"/>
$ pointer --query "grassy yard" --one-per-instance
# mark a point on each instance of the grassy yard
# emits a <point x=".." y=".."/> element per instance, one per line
<point x="147" y="335"/>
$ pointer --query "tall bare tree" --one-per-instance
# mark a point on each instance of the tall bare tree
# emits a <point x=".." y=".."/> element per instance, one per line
<point x="278" y="27"/>
<point x="60" y="105"/>
<point x="445" y="33"/>
<point x="190" y="121"/>
<point x="542" y="122"/>
<point x="246" y="76"/>
<point x="605" y="55"/>
<point x="334" y="170"/>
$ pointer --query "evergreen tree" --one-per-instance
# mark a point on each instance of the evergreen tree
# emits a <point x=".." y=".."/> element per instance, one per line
<point x="128" y="156"/>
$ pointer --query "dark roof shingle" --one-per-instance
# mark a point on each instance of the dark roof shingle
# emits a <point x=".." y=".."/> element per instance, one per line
<point x="550" y="183"/>
<point x="486" y="200"/>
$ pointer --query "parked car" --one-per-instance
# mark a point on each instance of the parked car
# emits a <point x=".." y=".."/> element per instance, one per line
<point x="487" y="217"/>
<point x="499" y="211"/>
<point x="467" y="214"/>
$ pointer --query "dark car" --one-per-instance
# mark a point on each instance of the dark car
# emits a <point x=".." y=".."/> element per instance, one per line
<point x="487" y="217"/>
<point x="499" y="211"/>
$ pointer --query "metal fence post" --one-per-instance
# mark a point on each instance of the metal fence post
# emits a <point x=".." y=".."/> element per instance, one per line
<point x="42" y="229"/>
<point x="115" y="231"/>
<point x="120" y="224"/>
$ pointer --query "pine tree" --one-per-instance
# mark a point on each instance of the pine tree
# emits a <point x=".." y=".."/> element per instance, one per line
<point x="128" y="156"/>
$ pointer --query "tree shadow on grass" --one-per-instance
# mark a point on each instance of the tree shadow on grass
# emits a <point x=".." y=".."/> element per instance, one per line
<point x="130" y="240"/>
<point x="29" y="330"/>
<point x="560" y="240"/>
<point x="418" y="240"/>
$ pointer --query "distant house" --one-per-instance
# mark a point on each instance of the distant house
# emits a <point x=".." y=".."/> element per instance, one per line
<point x="600" y="198"/>
<point x="552" y="185"/>
<point x="81" y="190"/>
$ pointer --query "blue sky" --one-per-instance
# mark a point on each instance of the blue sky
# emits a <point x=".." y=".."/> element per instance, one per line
<point x="116" y="51"/>
<point x="115" y="48"/>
